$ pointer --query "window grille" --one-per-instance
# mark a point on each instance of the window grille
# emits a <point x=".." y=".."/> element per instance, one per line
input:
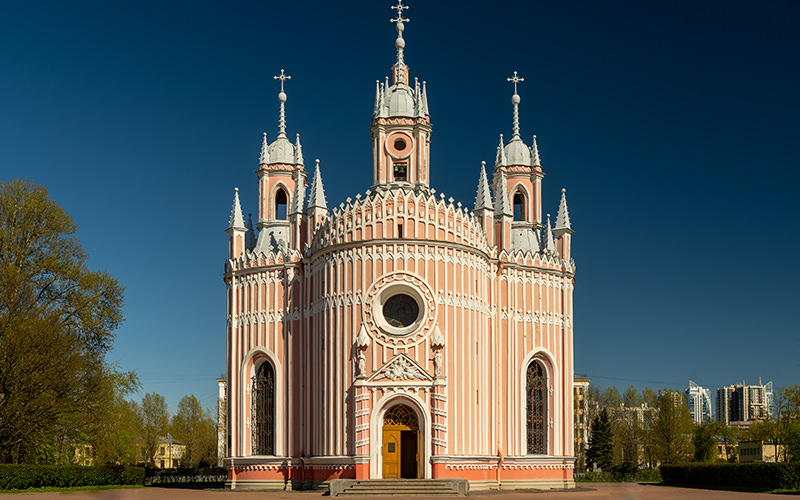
<point x="263" y="410"/>
<point x="536" y="410"/>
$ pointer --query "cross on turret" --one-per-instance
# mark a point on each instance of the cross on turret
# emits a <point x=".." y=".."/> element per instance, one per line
<point x="516" y="79"/>
<point x="399" y="8"/>
<point x="282" y="77"/>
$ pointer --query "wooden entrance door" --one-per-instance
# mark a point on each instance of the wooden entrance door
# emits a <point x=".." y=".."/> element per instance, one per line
<point x="400" y="443"/>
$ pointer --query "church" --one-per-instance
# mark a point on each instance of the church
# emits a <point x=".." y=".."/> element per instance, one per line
<point x="399" y="335"/>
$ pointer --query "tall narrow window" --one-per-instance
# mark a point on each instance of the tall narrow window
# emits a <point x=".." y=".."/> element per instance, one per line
<point x="536" y="410"/>
<point x="281" y="207"/>
<point x="263" y="409"/>
<point x="519" y="206"/>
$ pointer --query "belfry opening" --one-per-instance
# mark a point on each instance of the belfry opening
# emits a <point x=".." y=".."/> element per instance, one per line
<point x="400" y="443"/>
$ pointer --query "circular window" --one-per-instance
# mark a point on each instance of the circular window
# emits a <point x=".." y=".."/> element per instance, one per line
<point x="401" y="311"/>
<point x="400" y="144"/>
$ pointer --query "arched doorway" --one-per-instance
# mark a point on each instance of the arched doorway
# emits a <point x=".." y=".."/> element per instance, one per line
<point x="400" y="443"/>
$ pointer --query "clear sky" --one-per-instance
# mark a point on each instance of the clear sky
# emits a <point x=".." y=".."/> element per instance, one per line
<point x="673" y="126"/>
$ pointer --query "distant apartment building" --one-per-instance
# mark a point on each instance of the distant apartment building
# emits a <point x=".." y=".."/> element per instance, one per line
<point x="742" y="403"/>
<point x="698" y="400"/>
<point x="580" y="398"/>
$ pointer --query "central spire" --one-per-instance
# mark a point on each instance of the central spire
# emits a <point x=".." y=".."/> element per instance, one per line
<point x="400" y="43"/>
<point x="282" y="98"/>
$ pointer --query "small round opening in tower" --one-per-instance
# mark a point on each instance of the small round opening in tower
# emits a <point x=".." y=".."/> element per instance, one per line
<point x="401" y="310"/>
<point x="400" y="144"/>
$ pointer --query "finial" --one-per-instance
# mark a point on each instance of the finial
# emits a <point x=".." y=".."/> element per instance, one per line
<point x="400" y="43"/>
<point x="515" y="101"/>
<point x="282" y="98"/>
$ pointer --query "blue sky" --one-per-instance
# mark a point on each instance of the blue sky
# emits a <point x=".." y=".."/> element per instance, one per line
<point x="672" y="125"/>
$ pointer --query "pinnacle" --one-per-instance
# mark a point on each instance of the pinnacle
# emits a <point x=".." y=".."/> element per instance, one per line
<point x="236" y="220"/>
<point x="562" y="219"/>
<point x="483" y="199"/>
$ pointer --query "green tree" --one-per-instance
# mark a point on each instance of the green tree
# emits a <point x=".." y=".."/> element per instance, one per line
<point x="154" y="418"/>
<point x="631" y="397"/>
<point x="195" y="427"/>
<point x="650" y="397"/>
<point x="704" y="441"/>
<point x="57" y="322"/>
<point x="117" y="435"/>
<point x="611" y="399"/>
<point x="601" y="445"/>
<point x="670" y="426"/>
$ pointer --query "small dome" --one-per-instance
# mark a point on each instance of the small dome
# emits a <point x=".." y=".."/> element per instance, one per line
<point x="517" y="153"/>
<point x="400" y="100"/>
<point x="281" y="151"/>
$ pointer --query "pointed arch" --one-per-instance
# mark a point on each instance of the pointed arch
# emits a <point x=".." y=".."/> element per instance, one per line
<point x="521" y="201"/>
<point x="280" y="201"/>
<point x="538" y="410"/>
<point x="264" y="415"/>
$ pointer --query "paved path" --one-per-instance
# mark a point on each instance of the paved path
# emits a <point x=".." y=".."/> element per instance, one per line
<point x="585" y="491"/>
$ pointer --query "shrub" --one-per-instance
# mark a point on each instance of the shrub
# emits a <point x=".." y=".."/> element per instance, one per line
<point x="186" y="475"/>
<point x="21" y="477"/>
<point x="750" y="475"/>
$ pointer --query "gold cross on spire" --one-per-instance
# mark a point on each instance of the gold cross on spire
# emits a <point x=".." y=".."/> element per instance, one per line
<point x="516" y="79"/>
<point x="283" y="78"/>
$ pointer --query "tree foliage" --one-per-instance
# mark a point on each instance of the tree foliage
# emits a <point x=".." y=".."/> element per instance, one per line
<point x="154" y="421"/>
<point x="57" y="322"/>
<point x="601" y="445"/>
<point x="671" y="426"/>
<point x="704" y="441"/>
<point x="196" y="428"/>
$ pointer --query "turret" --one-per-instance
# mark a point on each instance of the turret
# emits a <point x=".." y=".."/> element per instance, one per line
<point x="317" y="210"/>
<point x="401" y="125"/>
<point x="503" y="213"/>
<point x="484" y="210"/>
<point x="280" y="165"/>
<point x="236" y="229"/>
<point x="563" y="230"/>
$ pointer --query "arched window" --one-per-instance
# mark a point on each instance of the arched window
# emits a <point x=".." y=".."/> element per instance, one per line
<point x="263" y="410"/>
<point x="281" y="204"/>
<point x="536" y="409"/>
<point x="519" y="206"/>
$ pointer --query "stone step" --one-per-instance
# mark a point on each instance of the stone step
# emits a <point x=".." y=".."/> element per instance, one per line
<point x="399" y="487"/>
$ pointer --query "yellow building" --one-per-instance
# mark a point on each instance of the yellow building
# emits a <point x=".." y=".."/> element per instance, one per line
<point x="758" y="451"/>
<point x="580" y="397"/>
<point x="169" y="452"/>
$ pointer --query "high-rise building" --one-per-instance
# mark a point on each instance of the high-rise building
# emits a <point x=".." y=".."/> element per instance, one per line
<point x="399" y="334"/>
<point x="744" y="403"/>
<point x="698" y="400"/>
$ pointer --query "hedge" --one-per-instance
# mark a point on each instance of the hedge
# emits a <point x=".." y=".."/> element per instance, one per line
<point x="773" y="476"/>
<point x="20" y="477"/>
<point x="186" y="475"/>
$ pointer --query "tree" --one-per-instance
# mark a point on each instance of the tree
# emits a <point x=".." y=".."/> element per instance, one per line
<point x="57" y="322"/>
<point x="631" y="397"/>
<point x="117" y="436"/>
<point x="704" y="440"/>
<point x="195" y="427"/>
<point x="670" y="426"/>
<point x="601" y="445"/>
<point x="154" y="418"/>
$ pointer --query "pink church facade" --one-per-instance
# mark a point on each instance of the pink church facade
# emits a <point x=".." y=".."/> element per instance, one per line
<point x="399" y="334"/>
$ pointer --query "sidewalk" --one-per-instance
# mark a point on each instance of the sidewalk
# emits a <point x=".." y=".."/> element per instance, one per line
<point x="585" y="491"/>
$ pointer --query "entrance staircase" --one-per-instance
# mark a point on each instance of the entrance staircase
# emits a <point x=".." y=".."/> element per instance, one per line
<point x="399" y="487"/>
